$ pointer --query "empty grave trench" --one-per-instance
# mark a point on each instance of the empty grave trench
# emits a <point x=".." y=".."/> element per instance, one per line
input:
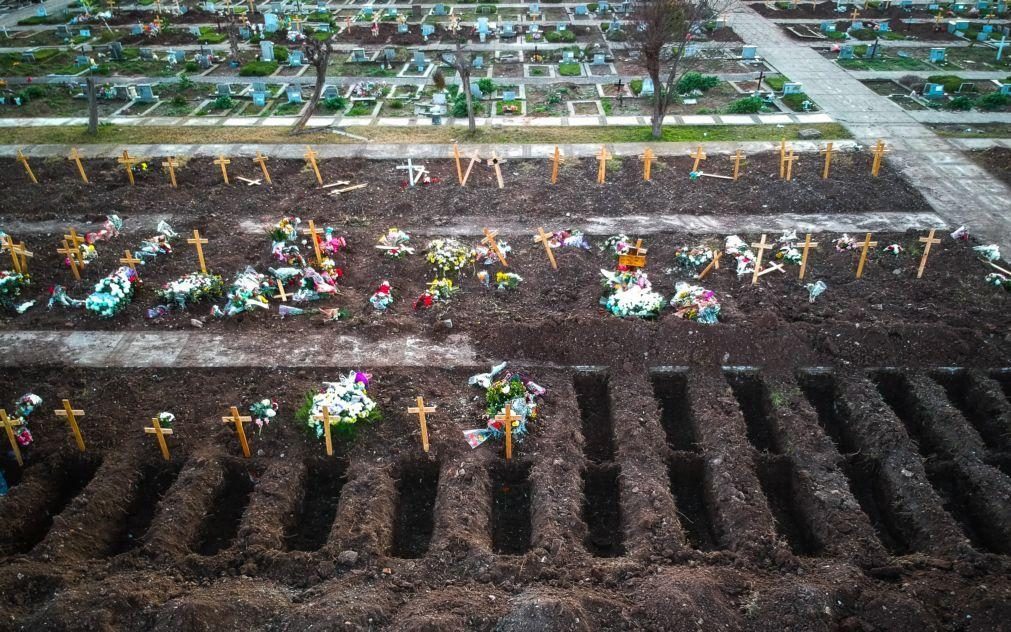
<point x="221" y="525"/>
<point x="595" y="413"/>
<point x="894" y="388"/>
<point x="315" y="514"/>
<point x="72" y="475"/>
<point x="510" y="508"/>
<point x="753" y="398"/>
<point x="863" y="475"/>
<point x="1004" y="379"/>
<point x="688" y="486"/>
<point x="778" y="480"/>
<point x="956" y="384"/>
<point x="602" y="510"/>
<point x="670" y="388"/>
<point x="155" y="481"/>
<point x="414" y="522"/>
<point x="957" y="500"/>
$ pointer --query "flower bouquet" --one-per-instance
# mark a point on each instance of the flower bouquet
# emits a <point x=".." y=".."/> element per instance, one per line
<point x="191" y="288"/>
<point x="693" y="257"/>
<point x="741" y="253"/>
<point x="845" y="243"/>
<point x="567" y="239"/>
<point x="788" y="251"/>
<point x="894" y="249"/>
<point x="486" y="255"/>
<point x="262" y="412"/>
<point x="507" y="280"/>
<point x="989" y="253"/>
<point x="113" y="293"/>
<point x="286" y="229"/>
<point x="439" y="290"/>
<point x="347" y="403"/>
<point x="23" y="408"/>
<point x="395" y="244"/>
<point x="109" y="230"/>
<point x="12" y="284"/>
<point x="997" y="279"/>
<point x="694" y="302"/>
<point x="448" y="256"/>
<point x="160" y="244"/>
<point x="618" y="245"/>
<point x="630" y="294"/>
<point x="248" y="290"/>
<point x="514" y="390"/>
<point x="382" y="298"/>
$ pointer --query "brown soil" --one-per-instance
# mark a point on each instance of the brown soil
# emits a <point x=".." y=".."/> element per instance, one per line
<point x="996" y="160"/>
<point x="660" y="489"/>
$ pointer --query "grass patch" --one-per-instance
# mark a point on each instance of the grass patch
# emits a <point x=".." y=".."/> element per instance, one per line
<point x="775" y="82"/>
<point x="569" y="69"/>
<point x="258" y="69"/>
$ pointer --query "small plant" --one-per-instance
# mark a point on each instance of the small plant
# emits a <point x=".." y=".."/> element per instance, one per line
<point x="951" y="83"/>
<point x="179" y="101"/>
<point x="223" y="103"/>
<point x="635" y="86"/>
<point x="747" y="105"/>
<point x="191" y="66"/>
<point x="692" y="81"/>
<point x="566" y="36"/>
<point x="960" y="103"/>
<point x="258" y="69"/>
<point x="335" y="104"/>
<point x="993" y="101"/>
<point x="486" y="85"/>
<point x="395" y="104"/>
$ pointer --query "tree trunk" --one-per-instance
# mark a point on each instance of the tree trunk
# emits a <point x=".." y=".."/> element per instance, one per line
<point x="659" y="106"/>
<point x="317" y="91"/>
<point x="92" y="107"/>
<point x="233" y="40"/>
<point x="465" y="81"/>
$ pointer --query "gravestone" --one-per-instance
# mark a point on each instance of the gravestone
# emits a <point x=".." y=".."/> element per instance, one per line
<point x="402" y="27"/>
<point x="270" y="23"/>
<point x="561" y="26"/>
<point x="418" y="61"/>
<point x="136" y="29"/>
<point x="41" y="11"/>
<point x="28" y="57"/>
<point x="692" y="50"/>
<point x="534" y="10"/>
<point x="259" y="86"/>
<point x="749" y="52"/>
<point x="933" y="6"/>
<point x="477" y="62"/>
<point x="883" y="27"/>
<point x="1005" y="88"/>
<point x="85" y="33"/>
<point x="982" y="36"/>
<point x="568" y="57"/>
<point x="846" y="52"/>
<point x="224" y="90"/>
<point x="439" y="98"/>
<point x="125" y="93"/>
<point x="210" y="7"/>
<point x="792" y="88"/>
<point x="508" y="29"/>
<point x="828" y="26"/>
<point x="508" y="95"/>
<point x="367" y="13"/>
<point x="82" y="60"/>
<point x="647" y="87"/>
<point x="533" y="29"/>
<point x="245" y="33"/>
<point x="937" y="55"/>
<point x="203" y="61"/>
<point x="599" y="59"/>
<point x="475" y="90"/>
<point x="581" y="10"/>
<point x="358" y="55"/>
<point x="294" y="94"/>
<point x="330" y="91"/>
<point x="602" y="7"/>
<point x="295" y="59"/>
<point x="145" y="93"/>
<point x="856" y="25"/>
<point x="427" y="30"/>
<point x="266" y="50"/>
<point x="179" y="56"/>
<point x="147" y="54"/>
<point x="390" y="53"/>
<point x="62" y="31"/>
<point x="195" y="31"/>
<point x="260" y="99"/>
<point x="933" y="91"/>
<point x="440" y="9"/>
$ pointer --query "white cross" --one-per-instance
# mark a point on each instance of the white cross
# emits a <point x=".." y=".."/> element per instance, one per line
<point x="1000" y="46"/>
<point x="414" y="173"/>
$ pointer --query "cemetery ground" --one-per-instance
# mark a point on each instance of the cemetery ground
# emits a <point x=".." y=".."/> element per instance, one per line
<point x="997" y="161"/>
<point x="841" y="464"/>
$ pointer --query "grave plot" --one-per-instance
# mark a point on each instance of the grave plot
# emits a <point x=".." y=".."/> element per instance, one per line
<point x="868" y="487"/>
<point x="997" y="160"/>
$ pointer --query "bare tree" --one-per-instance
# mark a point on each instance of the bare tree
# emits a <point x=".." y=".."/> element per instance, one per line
<point x="662" y="32"/>
<point x="462" y="61"/>
<point x="317" y="54"/>
<point x="233" y="36"/>
<point x="92" y="106"/>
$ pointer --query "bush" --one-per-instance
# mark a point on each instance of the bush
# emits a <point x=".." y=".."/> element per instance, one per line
<point x="179" y="100"/>
<point x="835" y="35"/>
<point x="747" y="105"/>
<point x="192" y="66"/>
<point x="796" y="101"/>
<point x="615" y="35"/>
<point x="951" y="83"/>
<point x="395" y="104"/>
<point x="335" y="104"/>
<point x="775" y="82"/>
<point x="691" y="81"/>
<point x="280" y="54"/>
<point x="569" y="69"/>
<point x="223" y="103"/>
<point x="258" y="69"/>
<point x="993" y="101"/>
<point x="635" y="86"/>
<point x="566" y="36"/>
<point x="961" y="103"/>
<point x="863" y="34"/>
<point x="486" y="86"/>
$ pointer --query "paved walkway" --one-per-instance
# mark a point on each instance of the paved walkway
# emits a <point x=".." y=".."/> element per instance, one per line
<point x="958" y="189"/>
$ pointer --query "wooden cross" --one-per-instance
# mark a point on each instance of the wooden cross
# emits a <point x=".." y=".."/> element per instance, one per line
<point x="787" y="165"/>
<point x="420" y="410"/>
<point x="738" y="157"/>
<point x="879" y="153"/>
<point x="828" y="160"/>
<point x="21" y="253"/>
<point x="928" y="241"/>
<point x="556" y="159"/>
<point x="72" y="253"/>
<point x="489" y="238"/>
<point x="647" y="164"/>
<point x="326" y="431"/>
<point x="699" y="156"/>
<point x="310" y="157"/>
<point x="171" y="163"/>
<point x="24" y="161"/>
<point x="71" y="415"/>
<point x="635" y="258"/>
<point x="602" y="157"/>
<point x="808" y="244"/>
<point x="199" y="242"/>
<point x="507" y="420"/>
<point x="714" y="264"/>
<point x="129" y="260"/>
<point x="496" y="163"/>
<point x="473" y="159"/>
<point x="223" y="163"/>
<point x="160" y="433"/>
<point x="238" y="420"/>
<point x="313" y="233"/>
<point x="127" y="161"/>
<point x="9" y="425"/>
<point x="262" y="161"/>
<point x="74" y="239"/>
<point x="459" y="167"/>
<point x="782" y="157"/>
<point x="15" y="262"/>
<point x="762" y="246"/>
<point x="76" y="157"/>
<point x="297" y="21"/>
<point x="855" y="14"/>
<point x="544" y="238"/>
<point x="281" y="292"/>
<point x="863" y="254"/>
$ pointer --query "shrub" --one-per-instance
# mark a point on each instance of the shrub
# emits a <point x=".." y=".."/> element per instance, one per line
<point x="395" y="104"/>
<point x="775" y="82"/>
<point x="179" y="100"/>
<point x="258" y="69"/>
<point x="961" y="103"/>
<point x="863" y="34"/>
<point x="747" y="105"/>
<point x="993" y="101"/>
<point x="335" y="104"/>
<point x="835" y="35"/>
<point x="951" y="83"/>
<point x="635" y="86"/>
<point x="486" y="86"/>
<point x="796" y="101"/>
<point x="223" y="103"/>
<point x="691" y="81"/>
<point x="561" y="36"/>
<point x="192" y="66"/>
<point x="280" y="54"/>
<point x="616" y="35"/>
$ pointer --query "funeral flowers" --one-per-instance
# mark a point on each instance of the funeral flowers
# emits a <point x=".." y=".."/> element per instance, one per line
<point x="262" y="412"/>
<point x="448" y="256"/>
<point x="439" y="290"/>
<point x="191" y="288"/>
<point x="382" y="298"/>
<point x="346" y="402"/>
<point x="514" y="391"/>
<point x="694" y="302"/>
<point x="630" y="294"/>
<point x="395" y="244"/>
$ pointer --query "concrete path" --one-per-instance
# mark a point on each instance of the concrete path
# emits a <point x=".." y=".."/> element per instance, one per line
<point x="959" y="190"/>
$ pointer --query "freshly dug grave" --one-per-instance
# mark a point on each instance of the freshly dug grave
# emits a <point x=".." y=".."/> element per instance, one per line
<point x="643" y="497"/>
<point x="996" y="160"/>
<point x="527" y="193"/>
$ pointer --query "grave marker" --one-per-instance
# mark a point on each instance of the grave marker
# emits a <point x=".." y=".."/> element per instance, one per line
<point x="786" y="165"/>
<point x="171" y="163"/>
<point x="647" y="163"/>
<point x="223" y="163"/>
<point x="782" y="156"/>
<point x="507" y="420"/>
<point x="23" y="253"/>
<point x="262" y="161"/>
<point x="238" y="420"/>
<point x="879" y="153"/>
<point x="129" y="260"/>
<point x="313" y="233"/>
<point x="71" y="414"/>
<point x="496" y="163"/>
<point x="602" y="157"/>
<point x="828" y="161"/>
<point x="808" y="244"/>
<point x="326" y="431"/>
<point x="543" y="238"/>
<point x="489" y="238"/>
<point x="420" y="410"/>
<point x="762" y="246"/>
<point x="75" y="239"/>
<point x="24" y="161"/>
<point x="414" y="172"/>
<point x="127" y="161"/>
<point x="459" y="167"/>
<point x="281" y="292"/>
<point x="160" y="433"/>
<point x="466" y="175"/>
<point x="556" y="159"/>
<point x="738" y="157"/>
<point x="310" y="157"/>
<point x="713" y="265"/>
<point x="928" y="241"/>
<point x="9" y="425"/>
<point x="72" y="253"/>
<point x="197" y="241"/>
<point x="863" y="254"/>
<point x="76" y="157"/>
<point x="699" y="156"/>
<point x="635" y="258"/>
